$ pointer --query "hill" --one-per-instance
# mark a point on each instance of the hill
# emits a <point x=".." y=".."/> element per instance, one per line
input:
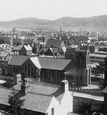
<point x="92" y="22"/>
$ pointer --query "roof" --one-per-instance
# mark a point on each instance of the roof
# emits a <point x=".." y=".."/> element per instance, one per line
<point x="35" y="61"/>
<point x="34" y="102"/>
<point x="4" y="96"/>
<point x="17" y="48"/>
<point x="53" y="63"/>
<point x="53" y="42"/>
<point x="4" y="53"/>
<point x="17" y="60"/>
<point x="37" y="98"/>
<point x="39" y="89"/>
<point x="27" y="47"/>
<point x="70" y="51"/>
<point x="45" y="90"/>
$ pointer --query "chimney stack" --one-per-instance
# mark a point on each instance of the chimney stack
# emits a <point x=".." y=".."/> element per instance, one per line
<point x="24" y="86"/>
<point x="65" y="85"/>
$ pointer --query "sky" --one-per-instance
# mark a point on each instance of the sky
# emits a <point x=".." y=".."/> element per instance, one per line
<point x="51" y="9"/>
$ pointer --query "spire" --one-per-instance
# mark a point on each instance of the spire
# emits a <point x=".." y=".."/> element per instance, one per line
<point x="60" y="33"/>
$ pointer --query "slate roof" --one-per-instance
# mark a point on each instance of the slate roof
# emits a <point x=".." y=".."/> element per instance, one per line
<point x="37" y="98"/>
<point x="38" y="103"/>
<point x="17" y="48"/>
<point x="53" y="42"/>
<point x="17" y="60"/>
<point x="39" y="89"/>
<point x="45" y="90"/>
<point x="4" y="53"/>
<point x="53" y="63"/>
<point x="34" y="102"/>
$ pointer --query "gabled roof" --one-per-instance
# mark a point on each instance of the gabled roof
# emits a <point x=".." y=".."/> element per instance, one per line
<point x="39" y="89"/>
<point x="27" y="47"/>
<point x="38" y="97"/>
<point x="33" y="102"/>
<point x="35" y="61"/>
<point x="18" y="48"/>
<point x="4" y="53"/>
<point x="53" y="42"/>
<point x="43" y="90"/>
<point x="50" y="63"/>
<point x="17" y="60"/>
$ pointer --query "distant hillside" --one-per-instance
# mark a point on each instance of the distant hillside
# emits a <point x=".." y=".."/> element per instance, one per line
<point x="96" y="22"/>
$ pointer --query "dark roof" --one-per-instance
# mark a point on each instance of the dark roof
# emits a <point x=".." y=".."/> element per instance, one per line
<point x="17" y="48"/>
<point x="53" y="42"/>
<point x="70" y="51"/>
<point x="53" y="63"/>
<point x="34" y="102"/>
<point x="17" y="60"/>
<point x="44" y="90"/>
<point x="37" y="98"/>
<point x="39" y="89"/>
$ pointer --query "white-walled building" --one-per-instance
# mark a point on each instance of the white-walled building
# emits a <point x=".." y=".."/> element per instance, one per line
<point x="43" y="100"/>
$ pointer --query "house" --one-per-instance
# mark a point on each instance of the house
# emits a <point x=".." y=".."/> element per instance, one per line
<point x="15" y="63"/>
<point x="39" y="99"/>
<point x="48" y="69"/>
<point x="4" y="55"/>
<point x="53" y="43"/>
<point x="53" y="70"/>
<point x="51" y="52"/>
<point x="22" y="50"/>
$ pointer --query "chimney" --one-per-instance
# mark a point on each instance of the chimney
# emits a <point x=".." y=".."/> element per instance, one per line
<point x="18" y="78"/>
<point x="65" y="85"/>
<point x="24" y="86"/>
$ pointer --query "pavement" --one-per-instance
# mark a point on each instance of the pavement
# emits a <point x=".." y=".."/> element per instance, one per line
<point x="88" y="96"/>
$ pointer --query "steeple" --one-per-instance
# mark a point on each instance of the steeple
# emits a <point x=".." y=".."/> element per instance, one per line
<point x="60" y="33"/>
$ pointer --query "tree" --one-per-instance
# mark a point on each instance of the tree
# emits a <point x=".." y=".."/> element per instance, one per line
<point x="3" y="66"/>
<point x="15" y="103"/>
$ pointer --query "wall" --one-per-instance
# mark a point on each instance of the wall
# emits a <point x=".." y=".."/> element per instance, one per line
<point x="22" y="51"/>
<point x="29" y="52"/>
<point x="66" y="103"/>
<point x="54" y="104"/>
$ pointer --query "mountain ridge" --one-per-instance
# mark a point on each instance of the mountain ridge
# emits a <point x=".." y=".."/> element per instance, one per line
<point x="31" y="22"/>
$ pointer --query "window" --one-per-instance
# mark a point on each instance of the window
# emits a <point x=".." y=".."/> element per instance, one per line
<point x="4" y="58"/>
<point x="14" y="69"/>
<point x="52" y="111"/>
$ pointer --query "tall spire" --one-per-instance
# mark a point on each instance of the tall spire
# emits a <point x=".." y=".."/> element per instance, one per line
<point x="60" y="33"/>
